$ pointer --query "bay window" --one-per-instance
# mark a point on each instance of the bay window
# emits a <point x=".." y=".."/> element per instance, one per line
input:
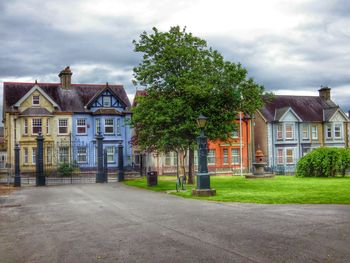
<point x="36" y="126"/>
<point x="109" y="126"/>
<point x="280" y="156"/>
<point x="279" y="132"/>
<point x="289" y="131"/>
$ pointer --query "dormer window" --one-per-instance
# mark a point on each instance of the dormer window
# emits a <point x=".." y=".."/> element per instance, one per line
<point x="36" y="100"/>
<point x="107" y="101"/>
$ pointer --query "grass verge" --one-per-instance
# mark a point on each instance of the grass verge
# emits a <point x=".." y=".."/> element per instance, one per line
<point x="278" y="190"/>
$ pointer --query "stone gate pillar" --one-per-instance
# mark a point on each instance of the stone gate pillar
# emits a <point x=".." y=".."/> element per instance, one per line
<point x="17" y="181"/>
<point x="99" y="174"/>
<point x="40" y="177"/>
<point x="120" y="163"/>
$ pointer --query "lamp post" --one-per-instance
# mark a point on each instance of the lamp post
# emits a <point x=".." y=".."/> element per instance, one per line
<point x="203" y="177"/>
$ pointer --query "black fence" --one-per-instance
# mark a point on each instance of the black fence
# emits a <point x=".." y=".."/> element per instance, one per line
<point x="48" y="163"/>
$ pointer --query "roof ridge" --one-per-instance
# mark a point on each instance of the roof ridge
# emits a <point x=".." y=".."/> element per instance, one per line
<point x="51" y="83"/>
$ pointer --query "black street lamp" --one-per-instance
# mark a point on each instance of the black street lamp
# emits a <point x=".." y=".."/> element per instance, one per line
<point x="203" y="177"/>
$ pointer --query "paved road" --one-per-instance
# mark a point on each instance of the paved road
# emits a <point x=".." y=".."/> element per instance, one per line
<point x="116" y="223"/>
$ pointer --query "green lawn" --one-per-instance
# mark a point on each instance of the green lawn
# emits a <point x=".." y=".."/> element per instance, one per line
<point x="278" y="190"/>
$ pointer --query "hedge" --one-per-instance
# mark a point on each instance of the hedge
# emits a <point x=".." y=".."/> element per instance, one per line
<point x="324" y="162"/>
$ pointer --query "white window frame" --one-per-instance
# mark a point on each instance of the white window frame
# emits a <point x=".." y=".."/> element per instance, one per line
<point x="25" y="155"/>
<point x="36" y="98"/>
<point x="34" y="155"/>
<point x="280" y="156"/>
<point x="328" y="131"/>
<point x="62" y="155"/>
<point x="235" y="134"/>
<point x="36" y="122"/>
<point x="225" y="156"/>
<point x="167" y="159"/>
<point x="291" y="131"/>
<point x="47" y="126"/>
<point x="211" y="157"/>
<point x="82" y="154"/>
<point x="49" y="155"/>
<point x="340" y="131"/>
<point x="110" y="153"/>
<point x="109" y="100"/>
<point x="81" y="123"/>
<point x="279" y="132"/>
<point x="97" y="125"/>
<point x="314" y="131"/>
<point x="25" y="132"/>
<point x="119" y="126"/>
<point x="305" y="132"/>
<point x="59" y="124"/>
<point x="235" y="158"/>
<point x="108" y="126"/>
<point x="288" y="156"/>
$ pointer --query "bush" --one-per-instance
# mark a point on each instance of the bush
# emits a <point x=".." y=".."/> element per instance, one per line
<point x="324" y="162"/>
<point x="65" y="169"/>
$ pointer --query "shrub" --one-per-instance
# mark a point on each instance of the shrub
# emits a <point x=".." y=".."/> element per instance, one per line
<point x="65" y="169"/>
<point x="324" y="162"/>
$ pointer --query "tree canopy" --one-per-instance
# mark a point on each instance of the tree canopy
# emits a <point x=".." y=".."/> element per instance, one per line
<point x="184" y="78"/>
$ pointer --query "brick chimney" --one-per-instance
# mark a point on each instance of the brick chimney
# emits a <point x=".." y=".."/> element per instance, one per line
<point x="325" y="93"/>
<point x="66" y="78"/>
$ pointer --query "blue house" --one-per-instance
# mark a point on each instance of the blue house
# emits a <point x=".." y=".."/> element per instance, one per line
<point x="105" y="111"/>
<point x="288" y="127"/>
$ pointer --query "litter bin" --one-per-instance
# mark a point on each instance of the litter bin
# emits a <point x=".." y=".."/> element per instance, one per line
<point x="152" y="178"/>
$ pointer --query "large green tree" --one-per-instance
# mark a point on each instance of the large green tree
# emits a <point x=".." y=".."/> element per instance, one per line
<point x="183" y="79"/>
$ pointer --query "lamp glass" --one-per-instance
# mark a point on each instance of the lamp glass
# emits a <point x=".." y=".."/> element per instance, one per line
<point x="201" y="121"/>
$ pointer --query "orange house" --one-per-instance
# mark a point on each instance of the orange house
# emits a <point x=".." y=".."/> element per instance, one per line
<point x="225" y="157"/>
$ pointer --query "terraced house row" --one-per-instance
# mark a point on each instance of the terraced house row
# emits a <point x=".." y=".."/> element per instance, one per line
<point x="69" y="116"/>
<point x="285" y="129"/>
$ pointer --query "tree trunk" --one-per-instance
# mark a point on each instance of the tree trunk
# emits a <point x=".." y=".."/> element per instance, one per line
<point x="181" y="160"/>
<point x="190" y="166"/>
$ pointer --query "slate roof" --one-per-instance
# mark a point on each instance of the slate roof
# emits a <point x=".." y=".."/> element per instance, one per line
<point x="308" y="108"/>
<point x="69" y="100"/>
<point x="107" y="112"/>
<point x="36" y="111"/>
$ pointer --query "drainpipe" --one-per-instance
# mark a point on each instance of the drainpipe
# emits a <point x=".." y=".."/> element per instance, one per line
<point x="272" y="144"/>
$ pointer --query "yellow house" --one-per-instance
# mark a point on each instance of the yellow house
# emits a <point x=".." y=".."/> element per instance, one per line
<point x="36" y="112"/>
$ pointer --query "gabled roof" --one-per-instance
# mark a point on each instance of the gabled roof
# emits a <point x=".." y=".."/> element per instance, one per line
<point x="280" y="113"/>
<point x="42" y="92"/>
<point x="69" y="100"/>
<point x="308" y="108"/>
<point x="98" y="94"/>
<point x="330" y="113"/>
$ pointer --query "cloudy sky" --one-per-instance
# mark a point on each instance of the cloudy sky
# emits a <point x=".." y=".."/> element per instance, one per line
<point x="290" y="47"/>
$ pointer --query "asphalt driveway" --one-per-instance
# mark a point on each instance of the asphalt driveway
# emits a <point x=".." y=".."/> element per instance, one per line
<point x="116" y="223"/>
